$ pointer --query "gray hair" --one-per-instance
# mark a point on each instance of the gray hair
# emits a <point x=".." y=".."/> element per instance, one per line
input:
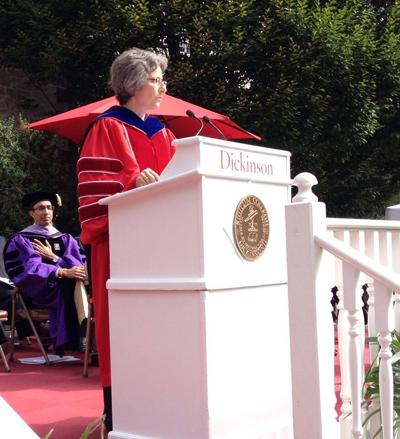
<point x="130" y="70"/>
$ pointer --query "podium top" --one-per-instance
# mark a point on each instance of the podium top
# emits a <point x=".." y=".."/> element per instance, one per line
<point x="228" y="159"/>
<point x="221" y="159"/>
<point x="210" y="141"/>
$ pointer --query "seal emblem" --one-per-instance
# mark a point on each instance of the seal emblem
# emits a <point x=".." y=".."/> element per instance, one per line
<point x="251" y="227"/>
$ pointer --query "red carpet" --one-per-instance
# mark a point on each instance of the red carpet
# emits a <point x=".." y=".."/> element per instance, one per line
<point x="58" y="396"/>
<point x="55" y="396"/>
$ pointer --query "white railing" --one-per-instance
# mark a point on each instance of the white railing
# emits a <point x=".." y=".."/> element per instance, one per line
<point x="324" y="252"/>
<point x="380" y="241"/>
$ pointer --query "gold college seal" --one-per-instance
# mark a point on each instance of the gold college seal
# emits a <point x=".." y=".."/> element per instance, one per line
<point x="251" y="227"/>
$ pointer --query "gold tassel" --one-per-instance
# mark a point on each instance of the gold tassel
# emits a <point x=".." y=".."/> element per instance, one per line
<point x="59" y="201"/>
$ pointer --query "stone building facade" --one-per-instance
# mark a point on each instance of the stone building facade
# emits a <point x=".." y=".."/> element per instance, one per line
<point x="19" y="96"/>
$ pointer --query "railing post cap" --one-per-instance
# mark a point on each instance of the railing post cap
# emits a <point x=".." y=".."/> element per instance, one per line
<point x="304" y="182"/>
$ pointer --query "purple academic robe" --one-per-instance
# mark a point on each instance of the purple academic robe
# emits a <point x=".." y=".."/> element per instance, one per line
<point x="36" y="277"/>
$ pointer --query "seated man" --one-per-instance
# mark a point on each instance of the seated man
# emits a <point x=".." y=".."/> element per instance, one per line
<point x="45" y="264"/>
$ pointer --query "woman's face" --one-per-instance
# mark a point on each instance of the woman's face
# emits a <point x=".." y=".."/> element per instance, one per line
<point x="151" y="94"/>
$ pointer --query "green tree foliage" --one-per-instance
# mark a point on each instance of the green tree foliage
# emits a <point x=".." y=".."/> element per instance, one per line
<point x="318" y="78"/>
<point x="29" y="161"/>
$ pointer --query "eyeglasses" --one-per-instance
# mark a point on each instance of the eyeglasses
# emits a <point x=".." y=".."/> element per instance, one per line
<point x="158" y="81"/>
<point x="43" y="208"/>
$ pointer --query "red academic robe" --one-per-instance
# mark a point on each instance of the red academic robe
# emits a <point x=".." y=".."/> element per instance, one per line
<point x="113" y="155"/>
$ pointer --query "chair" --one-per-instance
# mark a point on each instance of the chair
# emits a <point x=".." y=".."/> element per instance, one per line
<point x="90" y="339"/>
<point x="3" y="318"/>
<point x="31" y="315"/>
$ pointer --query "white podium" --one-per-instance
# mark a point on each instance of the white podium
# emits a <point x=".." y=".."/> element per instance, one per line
<point x="199" y="333"/>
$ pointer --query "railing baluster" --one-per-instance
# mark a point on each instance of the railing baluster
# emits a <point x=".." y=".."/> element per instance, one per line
<point x="352" y="302"/>
<point x="396" y="251"/>
<point x="371" y="250"/>
<point x="343" y="330"/>
<point x="345" y="418"/>
<point x="396" y="311"/>
<point x="383" y="246"/>
<point x="358" y="244"/>
<point x="384" y="320"/>
<point x="396" y="269"/>
<point x="389" y="241"/>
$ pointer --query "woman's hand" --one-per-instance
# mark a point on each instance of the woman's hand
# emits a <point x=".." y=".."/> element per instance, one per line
<point x="44" y="250"/>
<point x="76" y="272"/>
<point x="147" y="176"/>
